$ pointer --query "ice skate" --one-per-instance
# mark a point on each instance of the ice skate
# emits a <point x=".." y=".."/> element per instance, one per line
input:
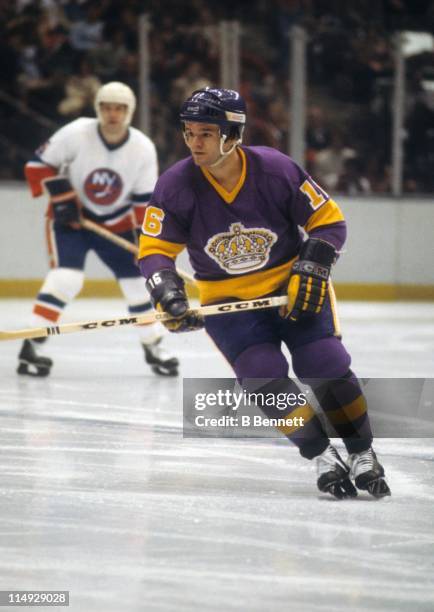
<point x="333" y="474"/>
<point x="30" y="362"/>
<point x="161" y="363"/>
<point x="368" y="473"/>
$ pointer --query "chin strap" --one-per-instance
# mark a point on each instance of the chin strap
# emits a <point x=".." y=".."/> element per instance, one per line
<point x="224" y="154"/>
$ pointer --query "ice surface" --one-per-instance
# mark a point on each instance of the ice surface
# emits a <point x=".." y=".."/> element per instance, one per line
<point x="101" y="495"/>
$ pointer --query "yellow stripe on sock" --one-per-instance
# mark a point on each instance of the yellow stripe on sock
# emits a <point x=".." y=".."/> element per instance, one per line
<point x="302" y="412"/>
<point x="349" y="412"/>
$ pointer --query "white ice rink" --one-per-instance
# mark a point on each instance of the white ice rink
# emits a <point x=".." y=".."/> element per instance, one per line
<point x="101" y="495"/>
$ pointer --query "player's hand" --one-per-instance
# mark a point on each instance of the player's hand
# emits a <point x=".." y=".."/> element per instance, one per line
<point x="190" y="321"/>
<point x="167" y="291"/>
<point x="307" y="286"/>
<point x="63" y="200"/>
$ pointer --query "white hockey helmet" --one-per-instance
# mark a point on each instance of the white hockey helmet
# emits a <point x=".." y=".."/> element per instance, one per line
<point x="117" y="93"/>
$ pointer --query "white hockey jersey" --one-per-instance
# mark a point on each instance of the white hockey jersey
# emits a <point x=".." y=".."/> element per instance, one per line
<point x="109" y="179"/>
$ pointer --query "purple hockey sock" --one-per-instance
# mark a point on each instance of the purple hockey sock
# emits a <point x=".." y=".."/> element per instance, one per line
<point x="267" y="362"/>
<point x="324" y="365"/>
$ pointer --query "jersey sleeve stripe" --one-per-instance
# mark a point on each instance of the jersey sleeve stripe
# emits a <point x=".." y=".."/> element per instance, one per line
<point x="110" y="218"/>
<point x="325" y="215"/>
<point x="35" y="173"/>
<point x="155" y="246"/>
<point x="141" y="198"/>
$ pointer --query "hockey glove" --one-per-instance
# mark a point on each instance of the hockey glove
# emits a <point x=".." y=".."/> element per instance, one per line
<point x="63" y="201"/>
<point x="307" y="287"/>
<point x="167" y="292"/>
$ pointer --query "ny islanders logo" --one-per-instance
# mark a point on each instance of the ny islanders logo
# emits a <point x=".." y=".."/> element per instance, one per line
<point x="241" y="249"/>
<point x="103" y="186"/>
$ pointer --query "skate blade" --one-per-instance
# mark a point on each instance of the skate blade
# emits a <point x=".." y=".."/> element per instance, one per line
<point x="161" y="370"/>
<point x="173" y="362"/>
<point x="28" y="369"/>
<point x="378" y="488"/>
<point x="340" y="489"/>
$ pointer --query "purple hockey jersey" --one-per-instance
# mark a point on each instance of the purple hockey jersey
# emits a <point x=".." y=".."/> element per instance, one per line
<point x="241" y="243"/>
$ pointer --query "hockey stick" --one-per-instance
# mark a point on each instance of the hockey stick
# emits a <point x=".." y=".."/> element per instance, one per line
<point x="69" y="328"/>
<point x="108" y="235"/>
<point x="124" y="244"/>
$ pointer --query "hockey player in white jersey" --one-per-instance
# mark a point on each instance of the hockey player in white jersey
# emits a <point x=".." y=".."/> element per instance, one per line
<point x="105" y="171"/>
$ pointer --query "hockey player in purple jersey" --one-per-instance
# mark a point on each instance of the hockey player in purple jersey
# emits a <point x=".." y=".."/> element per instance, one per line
<point x="238" y="211"/>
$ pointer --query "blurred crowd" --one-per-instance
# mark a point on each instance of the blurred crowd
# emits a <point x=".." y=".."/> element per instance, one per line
<point x="56" y="53"/>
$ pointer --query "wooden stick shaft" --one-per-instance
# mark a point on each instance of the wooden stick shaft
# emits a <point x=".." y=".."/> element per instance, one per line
<point x="108" y="235"/>
<point x="146" y="319"/>
<point x="124" y="244"/>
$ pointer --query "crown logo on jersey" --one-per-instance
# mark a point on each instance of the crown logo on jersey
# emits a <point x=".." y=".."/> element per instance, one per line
<point x="241" y="249"/>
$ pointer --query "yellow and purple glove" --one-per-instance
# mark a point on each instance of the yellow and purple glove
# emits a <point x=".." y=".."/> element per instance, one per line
<point x="307" y="286"/>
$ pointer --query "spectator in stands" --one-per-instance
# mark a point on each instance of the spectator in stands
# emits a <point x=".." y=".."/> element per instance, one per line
<point x="352" y="181"/>
<point x="191" y="79"/>
<point x="87" y="33"/>
<point x="107" y="58"/>
<point x="80" y="90"/>
<point x="328" y="164"/>
<point x="318" y="133"/>
<point x="349" y="71"/>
